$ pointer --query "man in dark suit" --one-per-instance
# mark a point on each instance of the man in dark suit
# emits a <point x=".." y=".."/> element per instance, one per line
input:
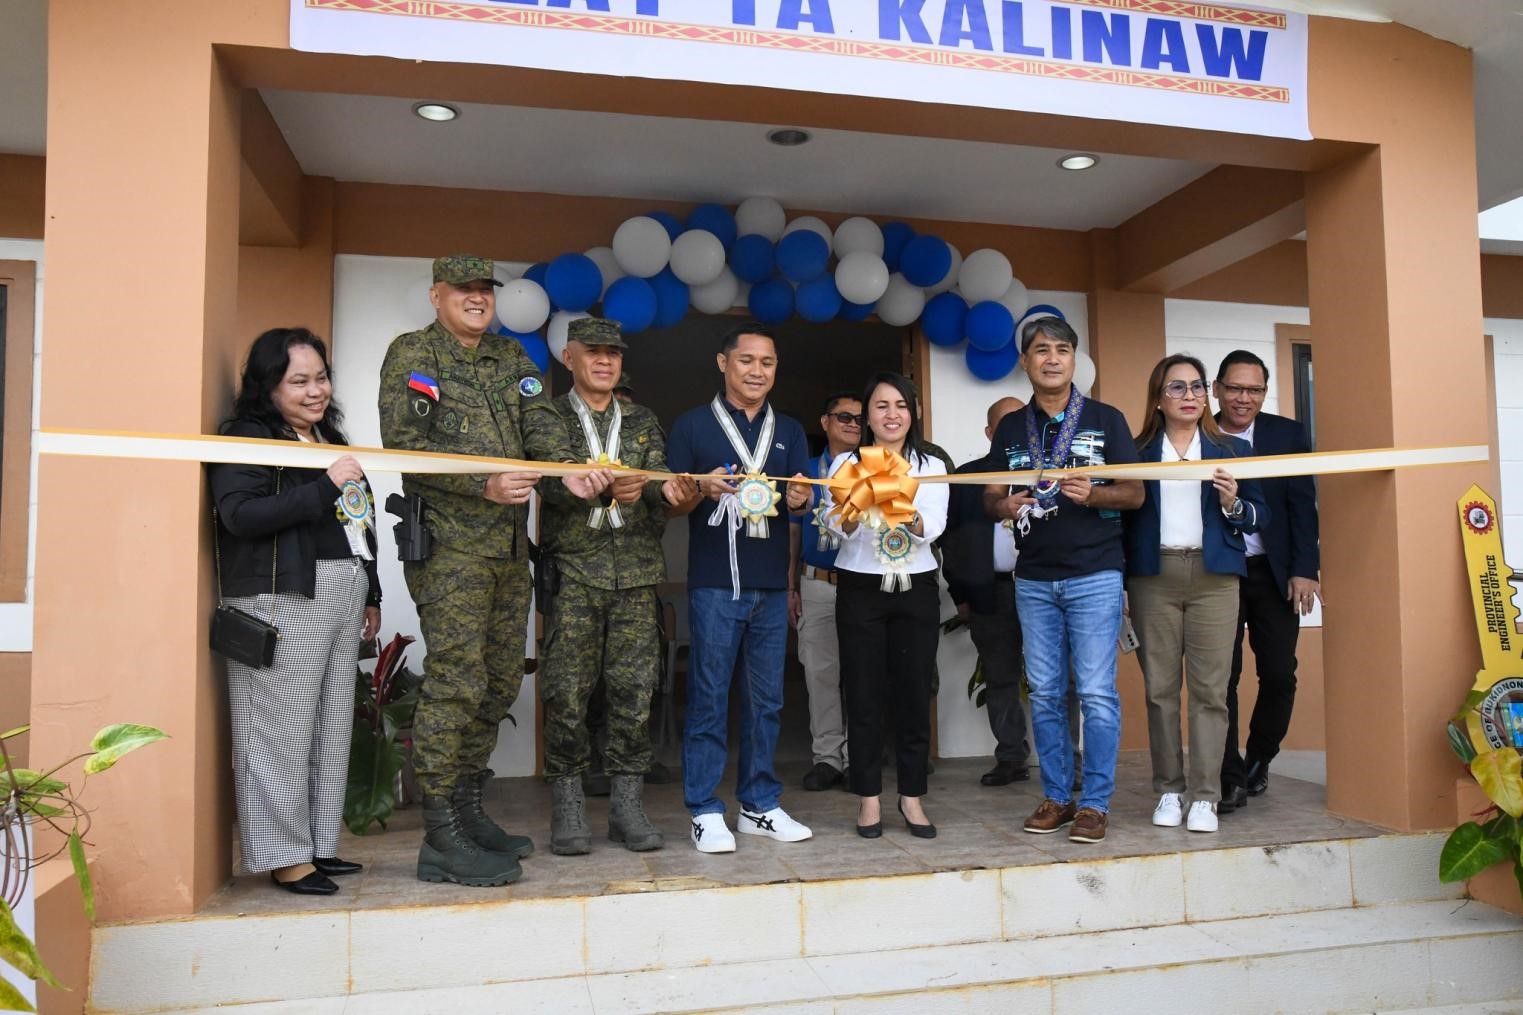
<point x="1282" y="582"/>
<point x="979" y="561"/>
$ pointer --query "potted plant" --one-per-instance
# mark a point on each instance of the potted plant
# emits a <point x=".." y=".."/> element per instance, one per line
<point x="35" y="798"/>
<point x="384" y="703"/>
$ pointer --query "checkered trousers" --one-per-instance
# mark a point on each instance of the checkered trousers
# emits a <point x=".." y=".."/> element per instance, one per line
<point x="292" y="721"/>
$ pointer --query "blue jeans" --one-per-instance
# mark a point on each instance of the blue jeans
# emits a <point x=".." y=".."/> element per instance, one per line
<point x="754" y="631"/>
<point x="1073" y="623"/>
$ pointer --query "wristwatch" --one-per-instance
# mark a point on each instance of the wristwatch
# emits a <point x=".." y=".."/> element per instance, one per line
<point x="1237" y="510"/>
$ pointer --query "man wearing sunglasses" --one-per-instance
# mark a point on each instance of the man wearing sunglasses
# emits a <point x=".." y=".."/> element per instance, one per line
<point x="1281" y="585"/>
<point x="812" y="599"/>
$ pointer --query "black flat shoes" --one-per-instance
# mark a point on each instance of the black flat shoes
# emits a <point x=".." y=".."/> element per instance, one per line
<point x="316" y="883"/>
<point x="334" y="867"/>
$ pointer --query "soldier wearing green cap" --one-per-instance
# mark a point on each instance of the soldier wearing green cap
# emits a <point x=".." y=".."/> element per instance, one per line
<point x="456" y="387"/>
<point x="603" y="564"/>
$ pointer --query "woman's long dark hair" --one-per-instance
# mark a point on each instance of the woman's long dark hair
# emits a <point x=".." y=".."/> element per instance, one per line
<point x="914" y="445"/>
<point x="269" y="358"/>
<point x="1155" y="424"/>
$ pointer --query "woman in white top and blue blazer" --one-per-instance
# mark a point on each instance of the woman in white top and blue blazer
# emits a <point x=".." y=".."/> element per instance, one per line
<point x="888" y="617"/>
<point x="1184" y="557"/>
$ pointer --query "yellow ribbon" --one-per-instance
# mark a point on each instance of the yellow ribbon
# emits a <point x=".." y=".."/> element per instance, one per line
<point x="877" y="490"/>
<point x="598" y="515"/>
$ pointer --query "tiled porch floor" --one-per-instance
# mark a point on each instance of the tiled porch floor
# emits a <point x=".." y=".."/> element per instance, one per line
<point x="979" y="828"/>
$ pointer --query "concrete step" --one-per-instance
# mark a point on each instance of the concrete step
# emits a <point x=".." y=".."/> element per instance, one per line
<point x="1154" y="922"/>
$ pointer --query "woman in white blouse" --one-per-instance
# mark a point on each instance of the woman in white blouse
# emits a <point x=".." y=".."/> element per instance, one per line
<point x="888" y="617"/>
<point x="1184" y="556"/>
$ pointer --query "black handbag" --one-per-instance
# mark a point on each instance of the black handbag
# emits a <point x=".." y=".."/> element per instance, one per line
<point x="237" y="634"/>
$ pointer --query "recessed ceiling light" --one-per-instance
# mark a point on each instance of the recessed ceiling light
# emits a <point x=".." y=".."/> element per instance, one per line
<point x="788" y="137"/>
<point x="1078" y="161"/>
<point x="438" y="112"/>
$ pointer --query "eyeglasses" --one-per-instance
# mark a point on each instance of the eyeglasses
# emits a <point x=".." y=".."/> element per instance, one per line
<point x="845" y="418"/>
<point x="1177" y="389"/>
<point x="1234" y="390"/>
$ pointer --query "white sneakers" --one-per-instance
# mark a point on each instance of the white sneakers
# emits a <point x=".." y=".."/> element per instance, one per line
<point x="711" y="835"/>
<point x="774" y="824"/>
<point x="1170" y="811"/>
<point x="1202" y="817"/>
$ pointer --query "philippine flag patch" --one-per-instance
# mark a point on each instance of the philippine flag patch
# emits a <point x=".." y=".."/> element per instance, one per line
<point x="425" y="384"/>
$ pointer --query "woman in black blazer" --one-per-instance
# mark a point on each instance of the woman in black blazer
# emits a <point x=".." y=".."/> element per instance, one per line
<point x="294" y="545"/>
<point x="1184" y="559"/>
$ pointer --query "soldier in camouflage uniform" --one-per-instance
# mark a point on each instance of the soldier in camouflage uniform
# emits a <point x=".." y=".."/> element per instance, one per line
<point x="603" y="565"/>
<point x="454" y="387"/>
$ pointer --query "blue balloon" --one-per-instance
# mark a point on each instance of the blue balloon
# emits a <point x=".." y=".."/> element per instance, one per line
<point x="943" y="319"/>
<point x="715" y="219"/>
<point x="990" y="325"/>
<point x="672" y="223"/>
<point x="534" y="344"/>
<point x="536" y="274"/>
<point x="925" y="261"/>
<point x="753" y="258"/>
<point x="803" y="254"/>
<point x="573" y="281"/>
<point x="771" y="302"/>
<point x="819" y="300"/>
<point x="856" y="311"/>
<point x="895" y="236"/>
<point x="671" y="298"/>
<point x="991" y="365"/>
<point x="632" y="302"/>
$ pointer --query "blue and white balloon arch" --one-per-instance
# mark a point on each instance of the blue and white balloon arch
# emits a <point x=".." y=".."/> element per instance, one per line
<point x="657" y="267"/>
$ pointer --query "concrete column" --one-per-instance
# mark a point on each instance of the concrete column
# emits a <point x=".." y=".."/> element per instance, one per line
<point x="142" y="246"/>
<point x="1126" y="333"/>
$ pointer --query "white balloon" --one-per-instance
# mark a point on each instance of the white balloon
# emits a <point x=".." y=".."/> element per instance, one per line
<point x="856" y="235"/>
<point x="985" y="275"/>
<point x="862" y="277"/>
<point x="1084" y="372"/>
<point x="608" y="266"/>
<point x="642" y="246"/>
<point x="522" y="305"/>
<point x="555" y="335"/>
<point x="901" y="302"/>
<point x="1016" y="298"/>
<point x="814" y="225"/>
<point x="697" y="257"/>
<point x="761" y="215"/>
<point x="717" y="296"/>
<point x="950" y="281"/>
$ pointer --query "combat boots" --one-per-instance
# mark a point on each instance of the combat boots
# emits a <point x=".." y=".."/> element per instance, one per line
<point x="627" y="822"/>
<point x="483" y="831"/>
<point x="570" y="835"/>
<point x="449" y="854"/>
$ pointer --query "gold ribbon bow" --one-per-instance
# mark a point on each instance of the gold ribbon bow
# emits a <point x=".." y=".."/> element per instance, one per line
<point x="877" y="491"/>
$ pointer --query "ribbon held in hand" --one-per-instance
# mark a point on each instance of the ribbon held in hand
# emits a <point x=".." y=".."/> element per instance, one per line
<point x="877" y="490"/>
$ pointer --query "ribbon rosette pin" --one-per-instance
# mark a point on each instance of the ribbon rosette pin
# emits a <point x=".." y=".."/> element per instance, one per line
<point x="598" y="515"/>
<point x="758" y="498"/>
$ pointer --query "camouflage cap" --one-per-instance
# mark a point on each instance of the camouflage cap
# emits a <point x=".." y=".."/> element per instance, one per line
<point x="596" y="331"/>
<point x="459" y="269"/>
<point x="625" y="384"/>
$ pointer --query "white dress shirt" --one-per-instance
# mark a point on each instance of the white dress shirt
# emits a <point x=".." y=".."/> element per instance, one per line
<point x="1179" y="519"/>
<point x="859" y="549"/>
<point x="1253" y="543"/>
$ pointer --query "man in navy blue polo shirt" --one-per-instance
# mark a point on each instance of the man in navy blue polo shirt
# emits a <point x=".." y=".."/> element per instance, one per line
<point x="1068" y="574"/>
<point x="737" y="581"/>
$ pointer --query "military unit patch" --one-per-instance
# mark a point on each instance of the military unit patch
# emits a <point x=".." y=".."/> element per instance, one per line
<point x="530" y="386"/>
<point x="421" y="406"/>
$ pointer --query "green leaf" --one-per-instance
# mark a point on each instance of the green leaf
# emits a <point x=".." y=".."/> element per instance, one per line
<point x="119" y="739"/>
<point x="18" y="951"/>
<point x="82" y="872"/>
<point x="34" y="805"/>
<point x="15" y="732"/>
<point x="35" y="783"/>
<point x="1500" y="774"/>
<point x="1468" y="852"/>
<point x="11" y="999"/>
<point x="1460" y="741"/>
<point x="370" y="796"/>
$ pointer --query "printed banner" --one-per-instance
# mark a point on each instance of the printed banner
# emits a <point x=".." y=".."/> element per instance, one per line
<point x="1225" y="67"/>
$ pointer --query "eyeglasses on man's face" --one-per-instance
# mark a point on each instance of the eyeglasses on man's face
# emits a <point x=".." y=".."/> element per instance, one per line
<point x="846" y="418"/>
<point x="1178" y="389"/>
<point x="1239" y="390"/>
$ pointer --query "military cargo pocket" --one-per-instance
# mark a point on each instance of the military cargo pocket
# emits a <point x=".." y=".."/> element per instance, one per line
<point x="426" y="583"/>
